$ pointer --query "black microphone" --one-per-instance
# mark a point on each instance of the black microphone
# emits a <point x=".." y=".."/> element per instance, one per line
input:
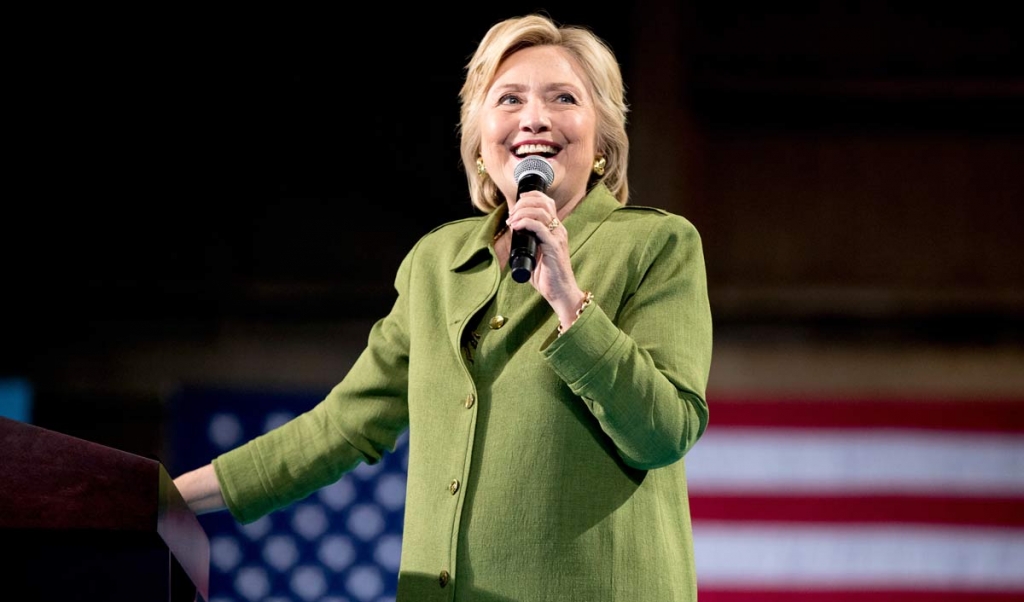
<point x="532" y="173"/>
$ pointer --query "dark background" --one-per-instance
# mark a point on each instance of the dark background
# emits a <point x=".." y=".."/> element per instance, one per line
<point x="179" y="169"/>
<point x="187" y="190"/>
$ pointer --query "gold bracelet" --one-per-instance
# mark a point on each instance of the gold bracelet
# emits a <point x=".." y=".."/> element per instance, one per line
<point x="589" y="296"/>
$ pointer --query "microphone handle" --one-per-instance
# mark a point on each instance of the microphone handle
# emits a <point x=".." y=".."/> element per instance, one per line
<point x="523" y="257"/>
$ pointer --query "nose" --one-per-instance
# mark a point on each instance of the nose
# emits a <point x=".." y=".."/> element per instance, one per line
<point x="534" y="117"/>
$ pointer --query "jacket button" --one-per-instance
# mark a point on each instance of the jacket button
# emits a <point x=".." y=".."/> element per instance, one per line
<point x="470" y="400"/>
<point x="443" y="578"/>
<point x="453" y="487"/>
<point x="497" y="322"/>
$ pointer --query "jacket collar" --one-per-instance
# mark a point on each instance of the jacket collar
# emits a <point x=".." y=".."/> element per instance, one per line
<point x="581" y="223"/>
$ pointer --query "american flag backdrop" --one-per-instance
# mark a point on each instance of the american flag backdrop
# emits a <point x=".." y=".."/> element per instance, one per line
<point x="340" y="544"/>
<point x="841" y="500"/>
<point x="792" y="500"/>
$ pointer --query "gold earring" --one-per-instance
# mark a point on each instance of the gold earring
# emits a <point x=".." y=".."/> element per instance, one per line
<point x="481" y="169"/>
<point x="599" y="164"/>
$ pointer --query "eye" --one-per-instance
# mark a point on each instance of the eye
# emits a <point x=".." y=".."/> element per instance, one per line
<point x="566" y="98"/>
<point x="508" y="99"/>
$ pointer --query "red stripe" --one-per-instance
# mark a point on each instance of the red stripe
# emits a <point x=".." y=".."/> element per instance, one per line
<point x="706" y="594"/>
<point x="996" y="511"/>
<point x="1003" y="415"/>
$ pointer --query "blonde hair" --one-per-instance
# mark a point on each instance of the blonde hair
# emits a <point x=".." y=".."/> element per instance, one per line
<point x="602" y="75"/>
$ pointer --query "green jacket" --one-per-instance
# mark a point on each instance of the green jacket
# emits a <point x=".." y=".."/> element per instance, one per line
<point x="540" y="467"/>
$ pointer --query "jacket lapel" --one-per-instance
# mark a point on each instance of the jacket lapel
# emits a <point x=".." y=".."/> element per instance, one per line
<point x="588" y="216"/>
<point x="474" y="277"/>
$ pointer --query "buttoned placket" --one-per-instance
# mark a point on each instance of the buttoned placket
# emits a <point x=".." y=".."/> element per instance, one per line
<point x="455" y="487"/>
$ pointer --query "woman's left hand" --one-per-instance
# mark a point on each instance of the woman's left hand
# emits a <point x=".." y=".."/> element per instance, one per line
<point x="552" y="276"/>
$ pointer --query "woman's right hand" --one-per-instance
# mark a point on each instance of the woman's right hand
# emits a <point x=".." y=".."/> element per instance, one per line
<point x="553" y="276"/>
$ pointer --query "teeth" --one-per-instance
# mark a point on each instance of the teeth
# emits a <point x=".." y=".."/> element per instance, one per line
<point x="533" y="149"/>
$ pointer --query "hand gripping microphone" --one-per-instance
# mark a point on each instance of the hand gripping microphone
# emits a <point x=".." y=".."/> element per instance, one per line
<point x="532" y="173"/>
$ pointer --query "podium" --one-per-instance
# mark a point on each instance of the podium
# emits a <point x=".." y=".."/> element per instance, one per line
<point x="82" y="521"/>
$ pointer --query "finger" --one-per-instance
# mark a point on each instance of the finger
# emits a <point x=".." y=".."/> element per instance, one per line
<point x="538" y="208"/>
<point x="548" y="230"/>
<point x="536" y="199"/>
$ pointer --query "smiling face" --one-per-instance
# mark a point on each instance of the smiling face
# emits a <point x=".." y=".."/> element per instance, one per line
<point x="539" y="104"/>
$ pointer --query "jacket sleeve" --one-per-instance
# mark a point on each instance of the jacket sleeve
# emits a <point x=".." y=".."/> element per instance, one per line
<point x="644" y="375"/>
<point x="359" y="420"/>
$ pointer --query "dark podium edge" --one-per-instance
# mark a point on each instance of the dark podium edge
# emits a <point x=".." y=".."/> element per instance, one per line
<point x="62" y="489"/>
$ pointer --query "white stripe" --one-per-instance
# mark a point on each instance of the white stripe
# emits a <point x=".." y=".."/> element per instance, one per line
<point x="856" y="460"/>
<point x="858" y="557"/>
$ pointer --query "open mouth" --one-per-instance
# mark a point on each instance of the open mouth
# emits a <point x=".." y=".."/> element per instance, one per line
<point x="543" y="150"/>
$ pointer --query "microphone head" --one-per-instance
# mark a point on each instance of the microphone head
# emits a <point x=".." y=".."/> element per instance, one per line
<point x="535" y="165"/>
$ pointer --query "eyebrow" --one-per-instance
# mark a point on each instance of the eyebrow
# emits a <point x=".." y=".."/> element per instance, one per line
<point x="546" y="88"/>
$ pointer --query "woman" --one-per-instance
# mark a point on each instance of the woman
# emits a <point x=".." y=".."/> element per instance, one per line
<point x="547" y="420"/>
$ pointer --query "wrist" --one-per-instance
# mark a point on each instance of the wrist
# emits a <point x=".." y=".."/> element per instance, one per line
<point x="588" y="298"/>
